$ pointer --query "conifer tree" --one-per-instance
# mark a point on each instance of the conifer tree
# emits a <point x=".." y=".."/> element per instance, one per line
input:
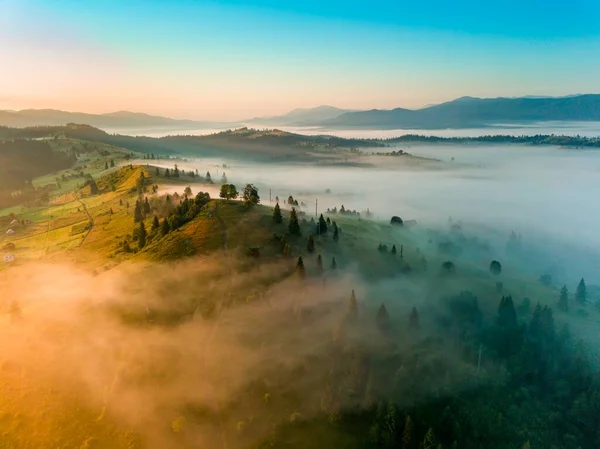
<point x="563" y="300"/>
<point x="120" y="202"/>
<point x="167" y="173"/>
<point x="394" y="251"/>
<point x="157" y="171"/>
<point x="277" y="217"/>
<point x="581" y="292"/>
<point x="176" y="171"/>
<point x="429" y="442"/>
<point x="155" y="223"/>
<point x="413" y="319"/>
<point x="310" y="245"/>
<point x="208" y="178"/>
<point x="322" y="226"/>
<point x="383" y="318"/>
<point x="106" y="166"/>
<point x="320" y="263"/>
<point x="224" y="178"/>
<point x="147" y="209"/>
<point x="112" y="163"/>
<point x="137" y="213"/>
<point x="352" y="309"/>
<point x="165" y="227"/>
<point x="294" y="226"/>
<point x="333" y="264"/>
<point x="408" y="435"/>
<point x="336" y="232"/>
<point x="142" y="235"/>
<point x="300" y="270"/>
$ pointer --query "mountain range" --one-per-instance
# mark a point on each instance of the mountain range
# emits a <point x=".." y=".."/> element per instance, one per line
<point x="463" y="112"/>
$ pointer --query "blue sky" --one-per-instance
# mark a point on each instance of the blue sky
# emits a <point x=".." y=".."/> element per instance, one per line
<point x="236" y="59"/>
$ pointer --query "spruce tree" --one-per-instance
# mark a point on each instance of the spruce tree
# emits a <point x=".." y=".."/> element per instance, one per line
<point x="112" y="163"/>
<point x="277" y="217"/>
<point x="429" y="442"/>
<point x="142" y="235"/>
<point x="157" y="171"/>
<point x="294" y="226"/>
<point x="336" y="233"/>
<point x="413" y="319"/>
<point x="320" y="263"/>
<point x="383" y="318"/>
<point x="408" y="435"/>
<point x="333" y="264"/>
<point x="581" y="292"/>
<point x="563" y="300"/>
<point x="165" y="228"/>
<point x="322" y="226"/>
<point x="120" y="202"/>
<point x="224" y="178"/>
<point x="352" y="309"/>
<point x="167" y="173"/>
<point x="300" y="270"/>
<point x="106" y="166"/>
<point x="310" y="245"/>
<point x="137" y="213"/>
<point x="208" y="178"/>
<point x="394" y="251"/>
<point x="176" y="171"/>
<point x="147" y="208"/>
<point x="155" y="223"/>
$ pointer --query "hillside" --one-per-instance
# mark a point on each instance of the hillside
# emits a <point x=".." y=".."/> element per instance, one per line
<point x="475" y="112"/>
<point x="300" y="116"/>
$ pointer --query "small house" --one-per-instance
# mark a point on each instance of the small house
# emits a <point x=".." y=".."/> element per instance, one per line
<point x="14" y="223"/>
<point x="10" y="232"/>
<point x="9" y="258"/>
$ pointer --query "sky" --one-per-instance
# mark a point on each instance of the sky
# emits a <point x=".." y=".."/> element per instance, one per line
<point x="236" y="59"/>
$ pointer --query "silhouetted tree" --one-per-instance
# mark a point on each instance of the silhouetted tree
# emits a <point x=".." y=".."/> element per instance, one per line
<point x="448" y="266"/>
<point x="155" y="223"/>
<point x="495" y="267"/>
<point x="251" y="194"/>
<point x="142" y="235"/>
<point x="333" y="264"/>
<point x="300" y="270"/>
<point x="187" y="192"/>
<point x="507" y="315"/>
<point x="401" y="252"/>
<point x="383" y="318"/>
<point x="277" y="217"/>
<point x="137" y="213"/>
<point x="106" y="166"/>
<point x="120" y="201"/>
<point x="563" y="300"/>
<point x="167" y="173"/>
<point x="336" y="232"/>
<point x="581" y="292"/>
<point x="310" y="245"/>
<point x="165" y="228"/>
<point x="429" y="442"/>
<point x="352" y="315"/>
<point x="228" y="191"/>
<point x="112" y="163"/>
<point x="157" y="171"/>
<point x="322" y="226"/>
<point x="394" y="251"/>
<point x="294" y="226"/>
<point x="208" y="178"/>
<point x="224" y="178"/>
<point x="147" y="208"/>
<point x="320" y="263"/>
<point x="408" y="435"/>
<point x="176" y="171"/>
<point x="413" y="319"/>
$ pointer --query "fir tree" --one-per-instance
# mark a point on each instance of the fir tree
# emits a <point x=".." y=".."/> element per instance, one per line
<point x="224" y="178"/>
<point x="394" y="251"/>
<point x="142" y="235"/>
<point x="147" y="208"/>
<point x="310" y="245"/>
<point x="563" y="300"/>
<point x="155" y="223"/>
<point x="277" y="217"/>
<point x="137" y="213"/>
<point x="112" y="163"/>
<point x="413" y="319"/>
<point x="176" y="171"/>
<point x="294" y="226"/>
<point x="322" y="226"/>
<point x="333" y="264"/>
<point x="383" y="318"/>
<point x="165" y="228"/>
<point x="106" y="166"/>
<point x="581" y="292"/>
<point x="120" y="202"/>
<point x="167" y="173"/>
<point x="429" y="442"/>
<point x="320" y="263"/>
<point x="208" y="178"/>
<point x="300" y="270"/>
<point x="408" y="435"/>
<point x="352" y="315"/>
<point x="507" y="315"/>
<point x="336" y="232"/>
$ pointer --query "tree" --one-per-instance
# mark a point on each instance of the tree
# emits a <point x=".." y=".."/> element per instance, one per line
<point x="449" y="267"/>
<point x="294" y="226"/>
<point x="165" y="228"/>
<point x="208" y="178"/>
<point x="507" y="315"/>
<point x="142" y="235"/>
<point x="187" y="192"/>
<point x="228" y="192"/>
<point x="320" y="263"/>
<point x="157" y="171"/>
<point x="147" y="208"/>
<point x="224" y="178"/>
<point x="336" y="232"/>
<point x="413" y="319"/>
<point x="526" y="445"/>
<point x="167" y="173"/>
<point x="495" y="267"/>
<point x="408" y="435"/>
<point x="277" y="217"/>
<point x="106" y="166"/>
<point x="250" y="194"/>
<point x="333" y="264"/>
<point x="155" y="223"/>
<point x="581" y="292"/>
<point x="310" y="245"/>
<point x="383" y="318"/>
<point x="112" y="163"/>
<point x="352" y="315"/>
<point x="137" y="213"/>
<point x="563" y="300"/>
<point x="429" y="442"/>
<point x="176" y="171"/>
<point x="394" y="250"/>
<point x="300" y="270"/>
<point x="120" y="201"/>
<point x="322" y="226"/>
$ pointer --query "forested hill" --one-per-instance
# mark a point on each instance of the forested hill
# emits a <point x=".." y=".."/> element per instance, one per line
<point x="241" y="143"/>
<point x="538" y="139"/>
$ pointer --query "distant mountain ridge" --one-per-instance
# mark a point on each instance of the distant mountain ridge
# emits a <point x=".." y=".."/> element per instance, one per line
<point x="475" y="112"/>
<point x="301" y="116"/>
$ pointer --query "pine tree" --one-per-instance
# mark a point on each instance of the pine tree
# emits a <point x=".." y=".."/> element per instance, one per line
<point x="383" y="318"/>
<point x="333" y="264"/>
<point x="408" y="435"/>
<point x="413" y="319"/>
<point x="277" y="217"/>
<point x="526" y="445"/>
<point x="581" y="293"/>
<point x="394" y="251"/>
<point x="112" y="163"/>
<point x="176" y="171"/>
<point x="507" y="315"/>
<point x="142" y="235"/>
<point x="157" y="171"/>
<point x="224" y="178"/>
<point x="352" y="309"/>
<point x="563" y="300"/>
<point x="167" y="173"/>
<point x="429" y="442"/>
<point x="310" y="245"/>
<point x="120" y="202"/>
<point x="208" y="178"/>
<point x="165" y="228"/>
<point x="147" y="208"/>
<point x="294" y="226"/>
<point x="300" y="270"/>
<point x="106" y="166"/>
<point x="320" y="263"/>
<point x="137" y="214"/>
<point x="336" y="233"/>
<point x="155" y="223"/>
<point x="322" y="226"/>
